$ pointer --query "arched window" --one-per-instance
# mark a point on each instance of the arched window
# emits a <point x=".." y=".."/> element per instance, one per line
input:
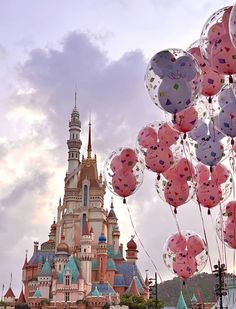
<point x="67" y="280"/>
<point x="85" y="195"/>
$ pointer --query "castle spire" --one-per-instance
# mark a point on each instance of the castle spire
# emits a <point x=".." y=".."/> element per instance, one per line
<point x="89" y="141"/>
<point x="75" y="99"/>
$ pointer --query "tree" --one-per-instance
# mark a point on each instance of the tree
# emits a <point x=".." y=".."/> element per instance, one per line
<point x="138" y="302"/>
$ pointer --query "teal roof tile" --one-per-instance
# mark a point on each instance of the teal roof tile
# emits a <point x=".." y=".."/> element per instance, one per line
<point x="46" y="270"/>
<point x="94" y="264"/>
<point x="111" y="264"/>
<point x="72" y="265"/>
<point x="95" y="292"/>
<point x="37" y="294"/>
<point x="181" y="302"/>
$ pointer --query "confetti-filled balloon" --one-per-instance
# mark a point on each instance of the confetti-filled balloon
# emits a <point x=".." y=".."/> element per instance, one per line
<point x="123" y="171"/>
<point x="185" y="253"/>
<point x="226" y="224"/>
<point x="173" y="80"/>
<point x="212" y="82"/>
<point x="232" y="25"/>
<point x="216" y="45"/>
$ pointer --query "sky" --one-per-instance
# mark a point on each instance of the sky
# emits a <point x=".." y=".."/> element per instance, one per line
<point x="101" y="48"/>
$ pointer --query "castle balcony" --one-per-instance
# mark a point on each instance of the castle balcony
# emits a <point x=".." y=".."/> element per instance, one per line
<point x="71" y="194"/>
<point x="74" y="143"/>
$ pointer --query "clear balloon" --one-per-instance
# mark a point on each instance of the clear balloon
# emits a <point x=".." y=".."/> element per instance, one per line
<point x="232" y="25"/>
<point x="185" y="254"/>
<point x="226" y="224"/>
<point x="123" y="171"/>
<point x="215" y="43"/>
<point x="173" y="80"/>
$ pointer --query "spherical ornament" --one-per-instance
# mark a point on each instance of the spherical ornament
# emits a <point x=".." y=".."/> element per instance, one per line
<point x="185" y="253"/>
<point x="173" y="80"/>
<point x="226" y="224"/>
<point x="123" y="171"/>
<point x="215" y="43"/>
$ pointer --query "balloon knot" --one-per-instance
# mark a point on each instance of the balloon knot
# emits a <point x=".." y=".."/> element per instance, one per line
<point x="231" y="79"/>
<point x="158" y="177"/>
<point x="185" y="136"/>
<point x="175" y="211"/>
<point x="184" y="282"/>
<point x="209" y="211"/>
<point x="210" y="100"/>
<point x="232" y="141"/>
<point x="211" y="169"/>
<point x="124" y="200"/>
<point x="174" y="118"/>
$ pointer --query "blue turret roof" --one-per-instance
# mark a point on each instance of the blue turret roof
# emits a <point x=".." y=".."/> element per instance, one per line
<point x="73" y="266"/>
<point x="111" y="253"/>
<point x="194" y="299"/>
<point x="104" y="289"/>
<point x="46" y="270"/>
<point x="129" y="270"/>
<point x="95" y="292"/>
<point x="138" y="285"/>
<point x="111" y="264"/>
<point x="181" y="302"/>
<point x="40" y="256"/>
<point x="102" y="238"/>
<point x="37" y="294"/>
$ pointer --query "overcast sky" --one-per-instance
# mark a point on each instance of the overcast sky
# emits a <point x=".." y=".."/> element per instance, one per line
<point x="48" y="47"/>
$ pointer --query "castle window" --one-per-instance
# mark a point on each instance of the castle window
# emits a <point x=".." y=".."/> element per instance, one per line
<point x="67" y="280"/>
<point x="85" y="195"/>
<point x="72" y="155"/>
<point x="84" y="250"/>
<point x="67" y="296"/>
<point x="59" y="267"/>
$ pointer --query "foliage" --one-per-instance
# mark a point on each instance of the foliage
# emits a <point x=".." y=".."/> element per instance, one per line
<point x="202" y="285"/>
<point x="138" y="302"/>
<point x="44" y="302"/>
<point x="106" y="306"/>
<point x="3" y="304"/>
<point x="22" y="306"/>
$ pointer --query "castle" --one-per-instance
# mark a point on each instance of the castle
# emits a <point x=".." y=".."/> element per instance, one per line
<point x="83" y="260"/>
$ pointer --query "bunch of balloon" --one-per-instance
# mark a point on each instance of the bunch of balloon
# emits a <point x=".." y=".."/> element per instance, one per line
<point x="156" y="141"/>
<point x="185" y="254"/>
<point x="212" y="187"/>
<point x="123" y="171"/>
<point x="226" y="224"/>
<point x="173" y="80"/>
<point x="175" y="186"/>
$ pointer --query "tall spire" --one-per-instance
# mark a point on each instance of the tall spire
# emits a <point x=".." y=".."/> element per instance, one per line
<point x="89" y="141"/>
<point x="75" y="98"/>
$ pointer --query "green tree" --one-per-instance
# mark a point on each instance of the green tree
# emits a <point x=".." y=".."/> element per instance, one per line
<point x="138" y="302"/>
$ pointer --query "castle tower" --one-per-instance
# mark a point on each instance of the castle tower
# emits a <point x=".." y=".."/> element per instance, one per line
<point x="111" y="224"/>
<point x="86" y="255"/>
<point x="102" y="258"/>
<point x="61" y="256"/>
<point x="44" y="280"/>
<point x="74" y="143"/>
<point x="131" y="252"/>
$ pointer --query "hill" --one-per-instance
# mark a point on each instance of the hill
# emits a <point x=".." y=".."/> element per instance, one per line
<point x="202" y="285"/>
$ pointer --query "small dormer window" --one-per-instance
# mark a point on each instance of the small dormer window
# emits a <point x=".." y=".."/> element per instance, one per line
<point x="67" y="281"/>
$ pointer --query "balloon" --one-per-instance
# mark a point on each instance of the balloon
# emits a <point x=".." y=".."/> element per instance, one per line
<point x="208" y="194"/>
<point x="210" y="151"/>
<point x="185" y="265"/>
<point x="199" y="132"/>
<point x="123" y="171"/>
<point x="128" y="158"/>
<point x="176" y="192"/>
<point x="230" y="234"/>
<point x="227" y="118"/>
<point x="216" y="46"/>
<point x="220" y="174"/>
<point x="173" y="80"/>
<point x="116" y="164"/>
<point x="212" y="82"/>
<point x="230" y="211"/>
<point x="232" y="25"/>
<point x="158" y="158"/>
<point x="124" y="182"/>
<point x="167" y="135"/>
<point x="186" y="120"/>
<point x="185" y="169"/>
<point x="195" y="245"/>
<point x="202" y="173"/>
<point x="176" y="243"/>
<point x="147" y="137"/>
<point x="185" y="253"/>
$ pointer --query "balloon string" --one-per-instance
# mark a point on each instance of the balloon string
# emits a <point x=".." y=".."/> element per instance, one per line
<point x="233" y="168"/>
<point x="217" y="242"/>
<point x="141" y="243"/>
<point x="222" y="236"/>
<point x="175" y="218"/>
<point x="205" y="235"/>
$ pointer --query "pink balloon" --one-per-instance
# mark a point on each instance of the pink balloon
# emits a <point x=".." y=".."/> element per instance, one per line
<point x="158" y="158"/>
<point x="184" y="169"/>
<point x="177" y="243"/>
<point x="167" y="135"/>
<point x="208" y="194"/>
<point x="185" y="265"/>
<point x="128" y="158"/>
<point x="212" y="81"/>
<point x="230" y="210"/>
<point x="171" y="173"/>
<point x="147" y="137"/>
<point x="220" y="174"/>
<point x="202" y="173"/>
<point x="195" y="245"/>
<point x="186" y="120"/>
<point x="176" y="192"/>
<point x="124" y="182"/>
<point x="116" y="164"/>
<point x="230" y="234"/>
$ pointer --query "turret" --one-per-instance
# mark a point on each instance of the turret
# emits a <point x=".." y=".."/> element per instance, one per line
<point x="131" y="252"/>
<point x="102" y="257"/>
<point x="74" y="143"/>
<point x="116" y="239"/>
<point x="62" y="255"/>
<point x="111" y="223"/>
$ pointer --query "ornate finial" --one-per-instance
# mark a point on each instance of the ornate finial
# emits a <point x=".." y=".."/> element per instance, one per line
<point x="132" y="236"/>
<point x="26" y="253"/>
<point x="112" y="206"/>
<point x="60" y="201"/>
<point x="89" y="141"/>
<point x="11" y="280"/>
